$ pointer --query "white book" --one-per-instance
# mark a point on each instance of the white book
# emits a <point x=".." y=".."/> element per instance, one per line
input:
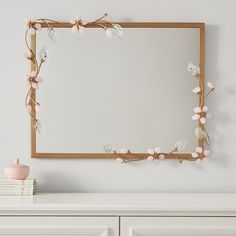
<point x="17" y="194"/>
<point x="9" y="181"/>
<point x="18" y="189"/>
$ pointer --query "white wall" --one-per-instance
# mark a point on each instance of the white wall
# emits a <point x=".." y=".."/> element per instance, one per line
<point x="106" y="175"/>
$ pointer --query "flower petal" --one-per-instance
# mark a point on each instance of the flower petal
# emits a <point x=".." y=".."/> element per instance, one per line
<point x="29" y="108"/>
<point x="32" y="31"/>
<point x="210" y="85"/>
<point x="205" y="109"/>
<point x="196" y="90"/>
<point x="195" y="117"/>
<point x="203" y="120"/>
<point x="198" y="149"/>
<point x="35" y="86"/>
<point x="75" y="29"/>
<point x="206" y="152"/>
<point x="108" y="33"/>
<point x="150" y="151"/>
<point x="37" y="26"/>
<point x="150" y="158"/>
<point x="197" y="109"/>
<point x="81" y="29"/>
<point x="194" y="154"/>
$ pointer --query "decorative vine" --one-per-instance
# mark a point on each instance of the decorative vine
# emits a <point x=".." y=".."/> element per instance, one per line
<point x="79" y="25"/>
<point x="201" y="114"/>
<point x="34" y="79"/>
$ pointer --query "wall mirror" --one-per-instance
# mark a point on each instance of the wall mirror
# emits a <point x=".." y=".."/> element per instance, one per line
<point x="101" y="95"/>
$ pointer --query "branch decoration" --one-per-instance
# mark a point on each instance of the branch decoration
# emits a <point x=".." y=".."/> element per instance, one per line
<point x="34" y="79"/>
<point x="201" y="114"/>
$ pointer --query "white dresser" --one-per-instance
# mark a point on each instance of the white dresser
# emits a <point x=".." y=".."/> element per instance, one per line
<point x="95" y="214"/>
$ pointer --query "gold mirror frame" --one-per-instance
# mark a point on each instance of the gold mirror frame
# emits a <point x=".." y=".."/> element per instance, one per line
<point x="127" y="156"/>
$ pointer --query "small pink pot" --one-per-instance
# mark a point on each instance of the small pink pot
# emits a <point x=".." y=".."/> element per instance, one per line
<point x="17" y="171"/>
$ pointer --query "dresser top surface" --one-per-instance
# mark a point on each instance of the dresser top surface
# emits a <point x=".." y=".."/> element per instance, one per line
<point x="121" y="204"/>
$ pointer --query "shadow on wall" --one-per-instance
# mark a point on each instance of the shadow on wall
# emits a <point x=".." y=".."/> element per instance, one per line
<point x="217" y="104"/>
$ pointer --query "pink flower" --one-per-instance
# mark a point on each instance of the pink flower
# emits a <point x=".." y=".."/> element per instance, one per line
<point x="34" y="80"/>
<point x="78" y="25"/>
<point x="201" y="114"/>
<point x="210" y="85"/>
<point x="196" y="90"/>
<point x="33" y="26"/>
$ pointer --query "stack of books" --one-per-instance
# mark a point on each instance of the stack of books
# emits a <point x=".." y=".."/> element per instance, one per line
<point x="18" y="187"/>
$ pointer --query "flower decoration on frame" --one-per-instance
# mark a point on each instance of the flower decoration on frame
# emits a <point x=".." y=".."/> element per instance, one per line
<point x="34" y="79"/>
<point x="201" y="115"/>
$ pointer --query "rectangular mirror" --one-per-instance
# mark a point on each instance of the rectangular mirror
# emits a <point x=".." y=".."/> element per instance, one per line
<point x="103" y="94"/>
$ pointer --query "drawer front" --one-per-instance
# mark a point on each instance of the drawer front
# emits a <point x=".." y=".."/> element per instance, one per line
<point x="178" y="226"/>
<point x="66" y="226"/>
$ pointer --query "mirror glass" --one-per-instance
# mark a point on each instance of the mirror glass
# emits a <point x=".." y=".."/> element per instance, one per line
<point x="134" y="92"/>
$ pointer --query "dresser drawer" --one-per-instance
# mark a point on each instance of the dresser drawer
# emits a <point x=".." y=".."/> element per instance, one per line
<point x="40" y="226"/>
<point x="178" y="226"/>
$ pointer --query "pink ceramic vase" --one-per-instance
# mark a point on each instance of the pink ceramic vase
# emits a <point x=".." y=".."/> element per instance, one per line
<point x="17" y="171"/>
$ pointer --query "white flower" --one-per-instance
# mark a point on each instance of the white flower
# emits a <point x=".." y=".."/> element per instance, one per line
<point x="193" y="70"/>
<point x="196" y="90"/>
<point x="43" y="54"/>
<point x="210" y="85"/>
<point x="150" y="158"/>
